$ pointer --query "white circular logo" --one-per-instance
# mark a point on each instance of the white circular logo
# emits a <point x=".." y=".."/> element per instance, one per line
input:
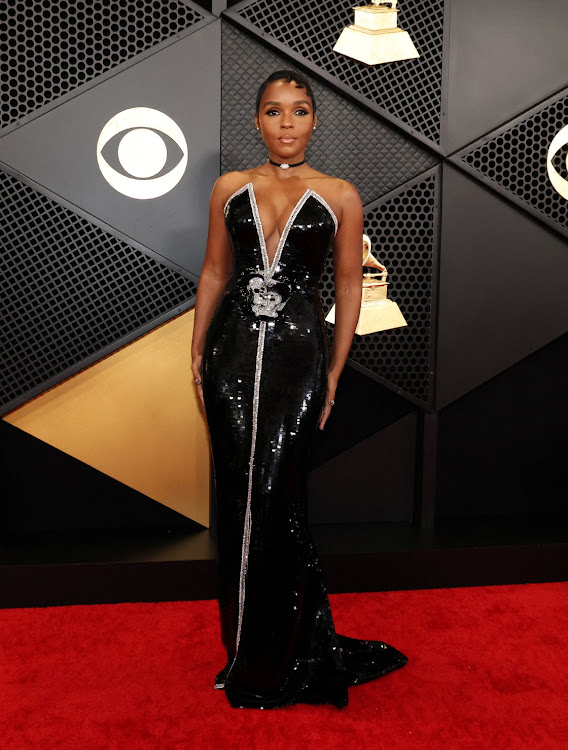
<point x="558" y="182"/>
<point x="142" y="152"/>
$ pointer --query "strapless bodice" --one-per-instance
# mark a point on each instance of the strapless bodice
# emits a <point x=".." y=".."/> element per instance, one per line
<point x="299" y="259"/>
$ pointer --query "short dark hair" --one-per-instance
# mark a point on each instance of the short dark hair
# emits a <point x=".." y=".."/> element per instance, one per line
<point x="286" y="75"/>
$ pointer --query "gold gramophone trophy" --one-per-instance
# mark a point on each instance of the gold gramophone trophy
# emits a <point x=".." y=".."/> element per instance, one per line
<point x="377" y="312"/>
<point x="375" y="38"/>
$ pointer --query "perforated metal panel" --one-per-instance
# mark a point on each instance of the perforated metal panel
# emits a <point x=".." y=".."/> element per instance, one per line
<point x="402" y="230"/>
<point x="515" y="159"/>
<point x="69" y="289"/>
<point x="409" y="90"/>
<point x="49" y="48"/>
<point x="348" y="142"/>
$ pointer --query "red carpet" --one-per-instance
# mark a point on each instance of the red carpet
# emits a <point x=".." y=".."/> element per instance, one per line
<point x="488" y="669"/>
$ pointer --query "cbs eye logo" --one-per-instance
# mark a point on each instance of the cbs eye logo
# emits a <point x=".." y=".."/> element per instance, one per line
<point x="141" y="152"/>
<point x="559" y="183"/>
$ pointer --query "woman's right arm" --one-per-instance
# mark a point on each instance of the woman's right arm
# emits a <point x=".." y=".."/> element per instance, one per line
<point x="214" y="276"/>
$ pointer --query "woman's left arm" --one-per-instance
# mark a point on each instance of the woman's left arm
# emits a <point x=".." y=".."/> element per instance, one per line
<point x="348" y="271"/>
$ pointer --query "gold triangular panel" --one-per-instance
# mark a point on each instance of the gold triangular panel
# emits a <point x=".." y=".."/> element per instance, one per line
<point x="135" y="416"/>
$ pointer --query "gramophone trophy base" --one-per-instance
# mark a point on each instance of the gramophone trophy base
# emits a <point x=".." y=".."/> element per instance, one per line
<point x="376" y="316"/>
<point x="373" y="291"/>
<point x="375" y="47"/>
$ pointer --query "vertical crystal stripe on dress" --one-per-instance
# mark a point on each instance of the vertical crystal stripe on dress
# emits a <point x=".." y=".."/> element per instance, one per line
<point x="247" y="524"/>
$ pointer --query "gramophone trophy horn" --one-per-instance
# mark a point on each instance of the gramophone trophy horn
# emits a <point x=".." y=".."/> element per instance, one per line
<point x="377" y="312"/>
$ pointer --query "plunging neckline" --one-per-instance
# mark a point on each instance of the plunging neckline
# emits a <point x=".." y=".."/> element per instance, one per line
<point x="269" y="267"/>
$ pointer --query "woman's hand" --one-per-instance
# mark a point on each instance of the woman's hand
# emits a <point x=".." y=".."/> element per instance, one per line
<point x="330" y="396"/>
<point x="196" y="369"/>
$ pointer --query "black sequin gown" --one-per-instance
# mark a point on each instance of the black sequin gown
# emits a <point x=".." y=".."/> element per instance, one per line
<point x="264" y="383"/>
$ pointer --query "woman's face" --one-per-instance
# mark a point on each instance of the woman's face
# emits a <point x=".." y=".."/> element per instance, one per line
<point x="286" y="118"/>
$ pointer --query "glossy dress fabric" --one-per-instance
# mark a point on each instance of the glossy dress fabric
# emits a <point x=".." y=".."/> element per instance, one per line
<point x="264" y="383"/>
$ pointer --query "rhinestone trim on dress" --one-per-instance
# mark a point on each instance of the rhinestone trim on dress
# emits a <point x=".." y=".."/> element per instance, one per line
<point x="247" y="526"/>
<point x="310" y="191"/>
<point x="329" y="208"/>
<point x="269" y="268"/>
<point x="230" y="198"/>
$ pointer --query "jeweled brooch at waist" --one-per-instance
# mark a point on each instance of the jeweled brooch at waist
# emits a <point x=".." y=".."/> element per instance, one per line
<point x="266" y="297"/>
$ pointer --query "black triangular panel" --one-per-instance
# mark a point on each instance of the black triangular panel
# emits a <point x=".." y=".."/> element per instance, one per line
<point x="408" y="90"/>
<point x="349" y="142"/>
<point x="502" y="447"/>
<point x="63" y="493"/>
<point x="513" y="160"/>
<point x="391" y="454"/>
<point x="502" y="286"/>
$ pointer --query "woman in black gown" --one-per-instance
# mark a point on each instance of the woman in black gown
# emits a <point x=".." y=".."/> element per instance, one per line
<point x="267" y="380"/>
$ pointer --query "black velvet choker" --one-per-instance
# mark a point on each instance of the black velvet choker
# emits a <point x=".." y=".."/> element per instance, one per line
<point x="286" y="166"/>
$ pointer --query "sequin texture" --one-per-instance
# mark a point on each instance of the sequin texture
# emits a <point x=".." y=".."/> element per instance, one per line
<point x="264" y="381"/>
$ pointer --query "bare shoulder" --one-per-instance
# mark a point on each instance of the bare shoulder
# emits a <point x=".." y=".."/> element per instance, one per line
<point x="347" y="191"/>
<point x="227" y="184"/>
<point x="341" y="195"/>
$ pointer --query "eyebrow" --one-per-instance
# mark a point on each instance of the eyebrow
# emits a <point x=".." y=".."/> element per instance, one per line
<point x="298" y="101"/>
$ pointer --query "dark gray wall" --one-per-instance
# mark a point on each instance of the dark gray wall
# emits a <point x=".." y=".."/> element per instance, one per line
<point x="502" y="286"/>
<point x="503" y="446"/>
<point x="504" y="57"/>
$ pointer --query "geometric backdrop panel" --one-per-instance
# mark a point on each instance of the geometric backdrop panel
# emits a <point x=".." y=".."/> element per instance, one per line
<point x="409" y="90"/>
<point x="52" y="48"/>
<point x="403" y="232"/>
<point x="502" y="286"/>
<point x="513" y="159"/>
<point x="69" y="290"/>
<point x="491" y="76"/>
<point x="349" y="142"/>
<point x="159" y="189"/>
